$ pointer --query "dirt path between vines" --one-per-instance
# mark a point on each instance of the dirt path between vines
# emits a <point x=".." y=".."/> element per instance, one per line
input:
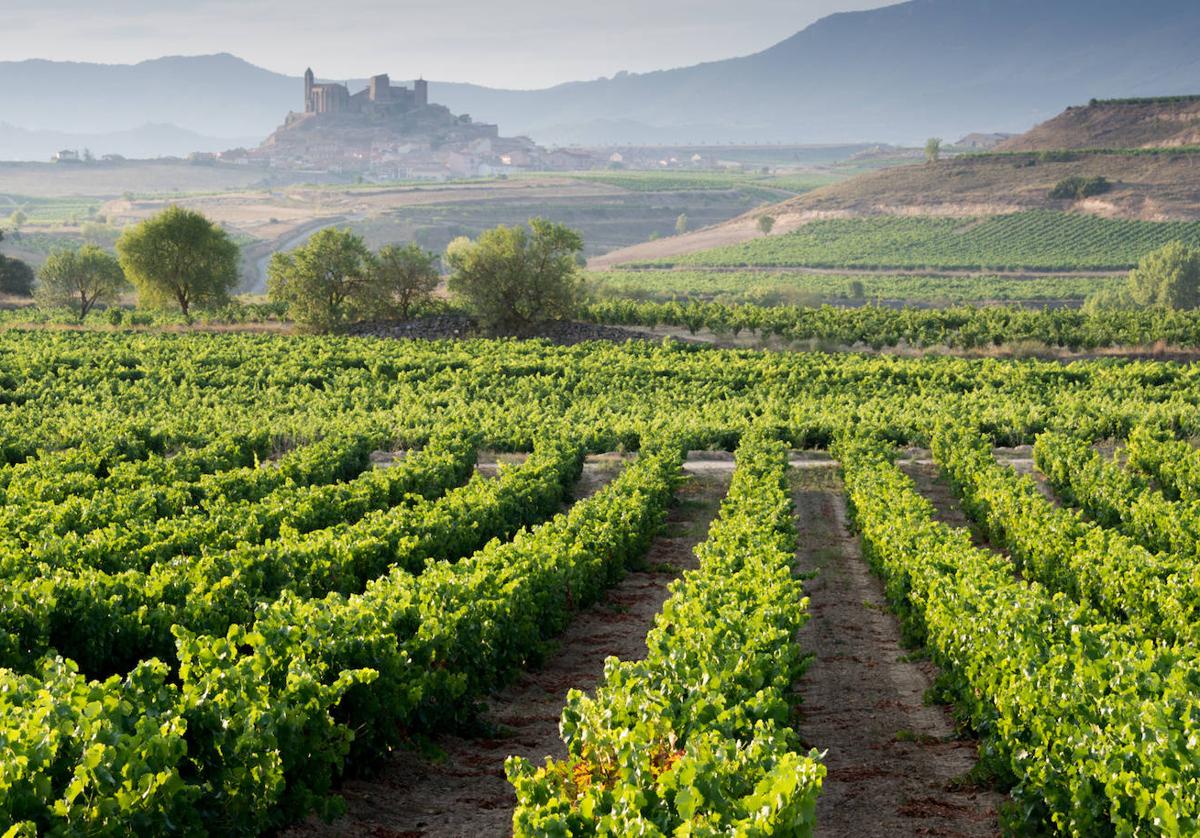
<point x="457" y="787"/>
<point x="931" y="483"/>
<point x="895" y="763"/>
<point x="919" y="465"/>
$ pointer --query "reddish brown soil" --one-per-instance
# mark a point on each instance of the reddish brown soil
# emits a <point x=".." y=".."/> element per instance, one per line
<point x="456" y="787"/>
<point x="895" y="763"/>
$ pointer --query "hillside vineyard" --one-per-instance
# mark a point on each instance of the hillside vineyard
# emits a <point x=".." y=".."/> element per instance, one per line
<point x="1034" y="240"/>
<point x="237" y="569"/>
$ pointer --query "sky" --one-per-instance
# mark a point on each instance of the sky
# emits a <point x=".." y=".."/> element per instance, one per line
<point x="519" y="43"/>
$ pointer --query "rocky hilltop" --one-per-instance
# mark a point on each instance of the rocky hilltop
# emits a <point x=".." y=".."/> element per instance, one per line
<point x="1144" y="151"/>
<point x="1168" y="122"/>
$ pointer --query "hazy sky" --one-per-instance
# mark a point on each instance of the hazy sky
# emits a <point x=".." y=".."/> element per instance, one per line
<point x="518" y="43"/>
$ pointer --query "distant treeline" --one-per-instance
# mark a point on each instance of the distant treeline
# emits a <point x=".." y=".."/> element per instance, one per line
<point x="1148" y="100"/>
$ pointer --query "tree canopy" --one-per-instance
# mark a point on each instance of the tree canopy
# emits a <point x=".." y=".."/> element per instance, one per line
<point x="79" y="279"/>
<point x="406" y="275"/>
<point x="933" y="149"/>
<point x="179" y="257"/>
<point x="16" y="277"/>
<point x="512" y="278"/>
<point x="1167" y="278"/>
<point x="327" y="281"/>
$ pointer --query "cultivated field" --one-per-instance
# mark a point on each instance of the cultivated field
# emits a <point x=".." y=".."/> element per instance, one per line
<point x="817" y="286"/>
<point x="1037" y="257"/>
<point x="1045" y="241"/>
<point x="268" y="211"/>
<point x="139" y="177"/>
<point x="938" y="575"/>
<point x="1157" y="184"/>
<point x="259" y="582"/>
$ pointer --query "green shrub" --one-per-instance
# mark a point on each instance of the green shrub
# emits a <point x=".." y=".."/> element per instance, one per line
<point x="1077" y="187"/>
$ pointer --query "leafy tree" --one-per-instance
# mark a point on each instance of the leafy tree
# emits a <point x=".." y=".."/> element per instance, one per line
<point x="407" y="276"/>
<point x="766" y="223"/>
<point x="17" y="220"/>
<point x="1167" y="278"/>
<point x="16" y="277"/>
<point x="79" y="279"/>
<point x="513" y="277"/>
<point x="179" y="256"/>
<point x="933" y="149"/>
<point x="681" y="224"/>
<point x="326" y="281"/>
<point x="96" y="233"/>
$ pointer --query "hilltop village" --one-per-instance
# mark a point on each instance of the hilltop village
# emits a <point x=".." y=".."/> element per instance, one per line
<point x="394" y="132"/>
<point x="387" y="131"/>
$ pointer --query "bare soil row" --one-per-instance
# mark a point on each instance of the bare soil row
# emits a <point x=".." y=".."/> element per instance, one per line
<point x="897" y="764"/>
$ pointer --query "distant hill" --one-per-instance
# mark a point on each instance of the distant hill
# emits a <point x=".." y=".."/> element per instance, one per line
<point x="141" y="142"/>
<point x="1121" y="123"/>
<point x="897" y="74"/>
<point x="213" y="95"/>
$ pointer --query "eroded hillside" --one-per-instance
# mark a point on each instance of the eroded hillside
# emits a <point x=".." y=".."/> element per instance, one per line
<point x="1123" y="123"/>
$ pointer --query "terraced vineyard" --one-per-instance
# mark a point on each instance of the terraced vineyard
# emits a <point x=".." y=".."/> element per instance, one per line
<point x="246" y="578"/>
<point x="1035" y="240"/>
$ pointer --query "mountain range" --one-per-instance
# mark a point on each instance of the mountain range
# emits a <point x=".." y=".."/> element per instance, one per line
<point x="895" y="74"/>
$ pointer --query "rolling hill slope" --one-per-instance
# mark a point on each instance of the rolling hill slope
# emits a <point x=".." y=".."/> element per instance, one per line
<point x="1121" y="123"/>
<point x="1159" y="184"/>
